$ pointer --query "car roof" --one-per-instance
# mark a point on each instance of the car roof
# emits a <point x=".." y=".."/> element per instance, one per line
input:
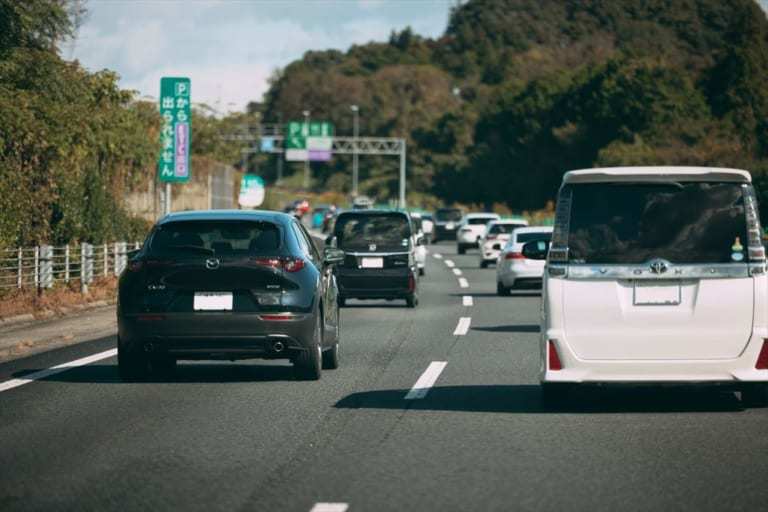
<point x="480" y="215"/>
<point x="534" y="229"/>
<point x="508" y="221"/>
<point x="372" y="211"/>
<point x="656" y="174"/>
<point x="246" y="215"/>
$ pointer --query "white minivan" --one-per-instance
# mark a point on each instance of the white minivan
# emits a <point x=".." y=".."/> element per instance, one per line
<point x="656" y="275"/>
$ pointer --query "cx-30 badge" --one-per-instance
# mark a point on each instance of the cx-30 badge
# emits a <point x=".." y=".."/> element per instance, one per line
<point x="659" y="266"/>
<point x="212" y="263"/>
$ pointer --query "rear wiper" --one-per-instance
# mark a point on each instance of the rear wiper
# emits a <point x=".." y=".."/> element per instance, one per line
<point x="193" y="248"/>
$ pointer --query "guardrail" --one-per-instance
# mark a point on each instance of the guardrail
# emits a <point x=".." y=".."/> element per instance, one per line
<point x="42" y="266"/>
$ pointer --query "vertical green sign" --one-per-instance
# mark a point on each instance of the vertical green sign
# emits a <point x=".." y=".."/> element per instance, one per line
<point x="175" y="134"/>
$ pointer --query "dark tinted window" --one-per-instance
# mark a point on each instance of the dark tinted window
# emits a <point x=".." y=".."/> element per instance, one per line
<point x="479" y="220"/>
<point x="530" y="237"/>
<point x="388" y="231"/>
<point x="679" y="222"/>
<point x="221" y="238"/>
<point x="504" y="228"/>
<point x="448" y="214"/>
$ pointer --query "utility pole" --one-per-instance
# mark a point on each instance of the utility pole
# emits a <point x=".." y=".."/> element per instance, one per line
<point x="306" y="162"/>
<point x="279" y="156"/>
<point x="355" y="134"/>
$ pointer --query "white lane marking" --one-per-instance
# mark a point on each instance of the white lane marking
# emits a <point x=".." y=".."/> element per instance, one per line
<point x="463" y="282"/>
<point x="463" y="326"/>
<point x="14" y="383"/>
<point x="449" y="263"/>
<point x="330" y="507"/>
<point x="457" y="271"/>
<point x="426" y="381"/>
<point x="438" y="255"/>
<point x="466" y="300"/>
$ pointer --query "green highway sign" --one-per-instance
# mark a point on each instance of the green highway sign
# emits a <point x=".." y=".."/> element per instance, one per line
<point x="175" y="134"/>
<point x="308" y="141"/>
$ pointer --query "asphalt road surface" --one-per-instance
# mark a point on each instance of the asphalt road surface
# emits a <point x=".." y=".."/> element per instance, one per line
<point x="427" y="412"/>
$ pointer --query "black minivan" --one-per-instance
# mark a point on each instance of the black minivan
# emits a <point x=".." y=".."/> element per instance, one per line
<point x="379" y="261"/>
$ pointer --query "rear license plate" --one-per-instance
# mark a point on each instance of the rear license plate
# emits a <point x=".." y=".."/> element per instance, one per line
<point x="213" y="301"/>
<point x="656" y="294"/>
<point x="372" y="263"/>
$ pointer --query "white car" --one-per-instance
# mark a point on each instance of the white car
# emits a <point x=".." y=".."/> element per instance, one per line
<point x="656" y="275"/>
<point x="472" y="229"/>
<point x="497" y="234"/>
<point x="419" y="242"/>
<point x="514" y="269"/>
<point x="428" y="226"/>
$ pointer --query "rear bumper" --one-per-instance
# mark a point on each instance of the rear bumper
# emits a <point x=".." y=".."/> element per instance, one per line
<point x="468" y="239"/>
<point x="510" y="275"/>
<point x="214" y="335"/>
<point x="379" y="284"/>
<point x="706" y="371"/>
<point x="443" y="233"/>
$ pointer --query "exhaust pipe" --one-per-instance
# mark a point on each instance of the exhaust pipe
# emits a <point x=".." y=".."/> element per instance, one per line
<point x="278" y="346"/>
<point x="148" y="347"/>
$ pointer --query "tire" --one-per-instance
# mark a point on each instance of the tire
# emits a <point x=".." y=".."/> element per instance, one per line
<point x="132" y="366"/>
<point x="331" y="356"/>
<point x="483" y="264"/>
<point x="163" y="366"/>
<point x="308" y="363"/>
<point x="754" y="395"/>
<point x="555" y="394"/>
<point x="501" y="290"/>
<point x="412" y="301"/>
<point x="421" y="271"/>
<point x="461" y="249"/>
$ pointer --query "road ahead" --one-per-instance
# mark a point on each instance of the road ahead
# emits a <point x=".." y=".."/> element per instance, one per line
<point x="246" y="436"/>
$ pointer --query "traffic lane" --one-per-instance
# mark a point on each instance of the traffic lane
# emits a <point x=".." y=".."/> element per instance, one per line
<point x="206" y="439"/>
<point x="480" y="438"/>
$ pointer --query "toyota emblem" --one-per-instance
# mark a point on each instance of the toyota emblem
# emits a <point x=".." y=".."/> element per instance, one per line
<point x="659" y="266"/>
<point x="212" y="263"/>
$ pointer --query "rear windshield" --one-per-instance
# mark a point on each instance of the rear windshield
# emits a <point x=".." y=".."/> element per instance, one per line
<point x="504" y="228"/>
<point x="219" y="238"/>
<point x="678" y="222"/>
<point x="388" y="231"/>
<point x="448" y="215"/>
<point x="479" y="220"/>
<point x="530" y="237"/>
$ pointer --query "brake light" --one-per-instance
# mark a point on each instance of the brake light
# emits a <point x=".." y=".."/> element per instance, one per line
<point x="553" y="357"/>
<point x="514" y="256"/>
<point x="278" y="317"/>
<point x="762" y="359"/>
<point x="411" y="282"/>
<point x="289" y="264"/>
<point x="491" y="237"/>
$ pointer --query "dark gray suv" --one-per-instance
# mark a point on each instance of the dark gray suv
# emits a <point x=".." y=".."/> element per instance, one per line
<point x="228" y="285"/>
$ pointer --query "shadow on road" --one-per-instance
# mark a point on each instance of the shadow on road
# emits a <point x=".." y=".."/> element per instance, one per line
<point x="526" y="399"/>
<point x="509" y="328"/>
<point x="184" y="373"/>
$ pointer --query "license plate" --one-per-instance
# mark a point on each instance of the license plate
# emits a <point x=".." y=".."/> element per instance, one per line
<point x="450" y="225"/>
<point x="372" y="263"/>
<point x="656" y="294"/>
<point x="213" y="301"/>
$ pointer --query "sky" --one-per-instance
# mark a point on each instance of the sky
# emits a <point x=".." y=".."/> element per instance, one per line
<point x="229" y="48"/>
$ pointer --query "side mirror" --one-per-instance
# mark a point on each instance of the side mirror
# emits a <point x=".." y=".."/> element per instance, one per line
<point x="420" y="239"/>
<point x="330" y="241"/>
<point x="333" y="256"/>
<point x="536" y="250"/>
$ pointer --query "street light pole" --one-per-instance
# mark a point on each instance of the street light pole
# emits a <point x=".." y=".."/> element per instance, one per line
<point x="356" y="133"/>
<point x="306" y="161"/>
<point x="279" y="156"/>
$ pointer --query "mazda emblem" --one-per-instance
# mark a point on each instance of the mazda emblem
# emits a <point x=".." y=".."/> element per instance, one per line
<point x="212" y="263"/>
<point x="659" y="266"/>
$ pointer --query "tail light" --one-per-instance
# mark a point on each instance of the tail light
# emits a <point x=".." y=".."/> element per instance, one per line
<point x="464" y="230"/>
<point x="411" y="282"/>
<point x="762" y="359"/>
<point x="514" y="256"/>
<point x="288" y="264"/>
<point x="553" y="358"/>
<point x="491" y="237"/>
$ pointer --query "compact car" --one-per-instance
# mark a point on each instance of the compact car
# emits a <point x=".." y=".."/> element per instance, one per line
<point x="228" y="285"/>
<point x="496" y="236"/>
<point x="515" y="269"/>
<point x="472" y="230"/>
<point x="446" y="223"/>
<point x="656" y="275"/>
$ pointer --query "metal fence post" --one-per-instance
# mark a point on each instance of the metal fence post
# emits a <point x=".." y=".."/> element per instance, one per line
<point x="116" y="249"/>
<point x="106" y="259"/>
<point x="86" y="262"/>
<point x="37" y="267"/>
<point x="46" y="266"/>
<point x="20" y="263"/>
<point x="66" y="264"/>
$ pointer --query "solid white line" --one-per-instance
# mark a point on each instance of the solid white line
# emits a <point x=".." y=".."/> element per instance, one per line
<point x="14" y="383"/>
<point x="330" y="507"/>
<point x="463" y="282"/>
<point x="457" y="271"/>
<point x="467" y="300"/>
<point x="438" y="255"/>
<point x="426" y="381"/>
<point x="463" y="326"/>
<point x="449" y="263"/>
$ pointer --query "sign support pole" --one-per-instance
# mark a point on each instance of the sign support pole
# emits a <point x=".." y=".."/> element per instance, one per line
<point x="167" y="197"/>
<point x="402" y="175"/>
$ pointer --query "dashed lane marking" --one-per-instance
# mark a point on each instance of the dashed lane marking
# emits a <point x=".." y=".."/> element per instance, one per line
<point x="438" y="255"/>
<point x="457" y="271"/>
<point x="463" y="282"/>
<point x="449" y="263"/>
<point x="330" y="507"/>
<point x="426" y="381"/>
<point x="463" y="326"/>
<point x="39" y="375"/>
<point x="466" y="300"/>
